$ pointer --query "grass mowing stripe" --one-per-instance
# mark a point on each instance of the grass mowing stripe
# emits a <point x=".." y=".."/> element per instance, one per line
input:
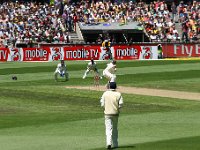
<point x="173" y="144"/>
<point x="122" y="79"/>
<point x="49" y="142"/>
<point x="159" y="68"/>
<point x="158" y="76"/>
<point x="48" y="98"/>
<point x="23" y="70"/>
<point x="36" y="64"/>
<point x="43" y="76"/>
<point x="38" y="119"/>
<point x="50" y="81"/>
<point x="50" y="67"/>
<point x="176" y="85"/>
<point x="180" y="80"/>
<point x="139" y="63"/>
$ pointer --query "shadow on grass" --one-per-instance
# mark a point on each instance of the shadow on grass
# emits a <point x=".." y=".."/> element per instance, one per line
<point x="185" y="143"/>
<point x="123" y="147"/>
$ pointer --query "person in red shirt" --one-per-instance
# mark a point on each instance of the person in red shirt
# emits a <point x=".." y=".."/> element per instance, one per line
<point x="75" y="20"/>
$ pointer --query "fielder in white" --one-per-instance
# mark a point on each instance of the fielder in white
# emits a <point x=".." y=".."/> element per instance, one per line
<point x="92" y="66"/>
<point x="112" y="101"/>
<point x="61" y="70"/>
<point x="110" y="70"/>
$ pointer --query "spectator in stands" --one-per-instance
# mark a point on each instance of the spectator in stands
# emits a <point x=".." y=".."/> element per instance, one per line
<point x="176" y="36"/>
<point x="160" y="51"/>
<point x="193" y="36"/>
<point x="122" y="20"/>
<point x="185" y="32"/>
<point x="174" y="11"/>
<point x="100" y="39"/>
<point x="1" y="43"/>
<point x="180" y="10"/>
<point x="169" y="37"/>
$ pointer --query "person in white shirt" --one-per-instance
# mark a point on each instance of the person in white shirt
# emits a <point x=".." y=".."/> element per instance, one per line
<point x="92" y="66"/>
<point x="61" y="70"/>
<point x="109" y="71"/>
<point x="112" y="101"/>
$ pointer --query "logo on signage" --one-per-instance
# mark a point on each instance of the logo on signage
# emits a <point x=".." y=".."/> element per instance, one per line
<point x="56" y="53"/>
<point x="16" y="56"/>
<point x="147" y="52"/>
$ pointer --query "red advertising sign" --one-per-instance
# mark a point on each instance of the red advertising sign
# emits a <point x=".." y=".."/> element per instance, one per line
<point x="142" y="52"/>
<point x="4" y="52"/>
<point x="81" y="52"/>
<point x="36" y="54"/>
<point x="181" y="50"/>
<point x="127" y="52"/>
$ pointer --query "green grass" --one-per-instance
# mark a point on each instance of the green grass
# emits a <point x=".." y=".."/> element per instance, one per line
<point x="37" y="113"/>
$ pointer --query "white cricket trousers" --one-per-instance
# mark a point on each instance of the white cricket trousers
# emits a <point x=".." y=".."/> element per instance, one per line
<point x="111" y="77"/>
<point x="111" y="123"/>
<point x="86" y="73"/>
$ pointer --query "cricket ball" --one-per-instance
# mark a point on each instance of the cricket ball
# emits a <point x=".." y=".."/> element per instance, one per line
<point x="14" y="77"/>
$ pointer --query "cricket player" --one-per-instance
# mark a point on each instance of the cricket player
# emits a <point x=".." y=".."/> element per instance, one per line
<point x="61" y="70"/>
<point x="112" y="101"/>
<point x="109" y="71"/>
<point x="107" y="46"/>
<point x="91" y="66"/>
<point x="160" y="51"/>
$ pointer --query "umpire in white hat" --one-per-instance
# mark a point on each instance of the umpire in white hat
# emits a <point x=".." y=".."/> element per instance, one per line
<point x="112" y="101"/>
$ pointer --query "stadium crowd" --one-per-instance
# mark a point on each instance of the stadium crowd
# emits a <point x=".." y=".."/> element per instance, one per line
<point x="32" y="22"/>
<point x="160" y="22"/>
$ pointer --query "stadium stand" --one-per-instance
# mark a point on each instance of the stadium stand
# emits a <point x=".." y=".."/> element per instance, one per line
<point x="30" y="23"/>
